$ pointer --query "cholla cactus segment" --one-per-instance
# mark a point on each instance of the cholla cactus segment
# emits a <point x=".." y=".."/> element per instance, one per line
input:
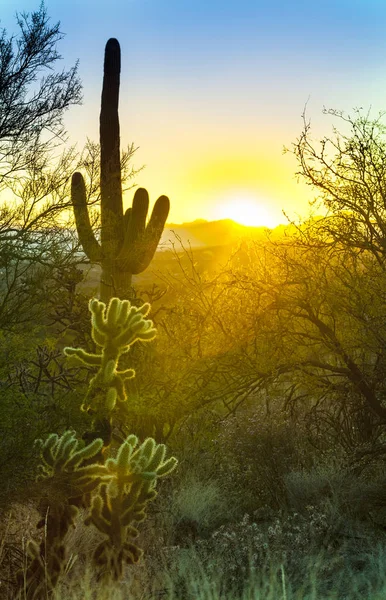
<point x="111" y="399"/>
<point x="121" y="503"/>
<point x="111" y="564"/>
<point x="115" y="328"/>
<point x="120" y="324"/>
<point x="87" y="358"/>
<point x="146" y="462"/>
<point x="62" y="456"/>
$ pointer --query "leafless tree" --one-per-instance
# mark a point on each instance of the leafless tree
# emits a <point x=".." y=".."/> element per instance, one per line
<point x="347" y="170"/>
<point x="33" y="96"/>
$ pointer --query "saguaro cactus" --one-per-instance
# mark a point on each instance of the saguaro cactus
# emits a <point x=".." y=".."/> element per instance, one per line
<point x="127" y="244"/>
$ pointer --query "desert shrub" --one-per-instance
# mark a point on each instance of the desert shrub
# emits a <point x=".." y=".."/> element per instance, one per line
<point x="242" y="549"/>
<point x="249" y="550"/>
<point x="39" y="392"/>
<point x="38" y="395"/>
<point x="202" y="502"/>
<point x="256" y="450"/>
<point x="354" y="500"/>
<point x="314" y="487"/>
<point x="191" y="508"/>
<point x="67" y="309"/>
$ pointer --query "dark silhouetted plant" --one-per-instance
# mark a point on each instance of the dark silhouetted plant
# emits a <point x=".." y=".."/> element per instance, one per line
<point x="127" y="244"/>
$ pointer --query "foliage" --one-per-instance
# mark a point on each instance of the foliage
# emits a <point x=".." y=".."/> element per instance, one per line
<point x="33" y="173"/>
<point x="256" y="450"/>
<point x="267" y="378"/>
<point x="248" y="549"/>
<point x="189" y="577"/>
<point x="68" y="314"/>
<point x="309" y="328"/>
<point x="38" y="394"/>
<point x="202" y="504"/>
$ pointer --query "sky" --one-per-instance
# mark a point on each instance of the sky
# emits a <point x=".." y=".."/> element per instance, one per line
<point x="211" y="91"/>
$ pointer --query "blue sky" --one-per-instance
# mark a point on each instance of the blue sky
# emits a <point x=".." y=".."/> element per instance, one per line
<point x="211" y="91"/>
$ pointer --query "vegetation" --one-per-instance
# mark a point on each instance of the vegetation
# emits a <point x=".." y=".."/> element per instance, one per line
<point x="74" y="473"/>
<point x="348" y="171"/>
<point x="32" y="115"/>
<point x="266" y="378"/>
<point x="127" y="244"/>
<point x="34" y="249"/>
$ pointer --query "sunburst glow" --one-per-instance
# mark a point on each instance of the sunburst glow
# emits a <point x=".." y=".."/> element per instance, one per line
<point x="246" y="211"/>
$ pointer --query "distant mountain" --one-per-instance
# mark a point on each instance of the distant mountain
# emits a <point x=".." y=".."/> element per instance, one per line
<point x="201" y="233"/>
<point x="211" y="241"/>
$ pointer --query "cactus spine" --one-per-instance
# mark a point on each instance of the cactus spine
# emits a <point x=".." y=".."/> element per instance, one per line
<point x="127" y="244"/>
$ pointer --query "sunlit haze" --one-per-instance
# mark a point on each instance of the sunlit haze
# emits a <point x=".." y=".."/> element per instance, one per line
<point x="245" y="210"/>
<point x="211" y="91"/>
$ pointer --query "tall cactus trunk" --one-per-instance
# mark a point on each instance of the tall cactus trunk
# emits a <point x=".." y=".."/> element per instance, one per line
<point x="112" y="279"/>
<point x="110" y="181"/>
<point x="127" y="244"/>
<point x="115" y="282"/>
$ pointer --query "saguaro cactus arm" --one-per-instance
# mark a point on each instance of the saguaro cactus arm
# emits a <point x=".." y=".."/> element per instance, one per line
<point x="152" y="234"/>
<point x="141" y="241"/>
<point x="86" y="236"/>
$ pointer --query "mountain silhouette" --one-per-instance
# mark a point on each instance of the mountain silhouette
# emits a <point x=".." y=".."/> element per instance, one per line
<point x="201" y="233"/>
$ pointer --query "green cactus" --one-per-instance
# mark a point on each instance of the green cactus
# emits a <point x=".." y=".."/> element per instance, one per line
<point x="62" y="457"/>
<point x="127" y="244"/>
<point x="120" y="504"/>
<point x="114" y="329"/>
<point x="116" y="487"/>
<point x="65" y="481"/>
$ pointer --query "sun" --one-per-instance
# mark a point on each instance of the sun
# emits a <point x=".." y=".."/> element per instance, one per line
<point x="246" y="211"/>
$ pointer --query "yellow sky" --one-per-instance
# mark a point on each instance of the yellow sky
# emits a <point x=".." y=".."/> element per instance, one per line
<point x="215" y="164"/>
<point x="252" y="185"/>
<point x="211" y="104"/>
<point x="211" y="91"/>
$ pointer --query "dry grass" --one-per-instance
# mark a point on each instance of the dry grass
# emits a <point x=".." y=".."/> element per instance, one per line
<point x="185" y="573"/>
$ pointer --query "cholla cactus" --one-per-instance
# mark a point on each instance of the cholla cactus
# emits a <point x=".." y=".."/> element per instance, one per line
<point x="63" y="456"/>
<point x="121" y="503"/>
<point x="114" y="330"/>
<point x="73" y="472"/>
<point x="65" y="482"/>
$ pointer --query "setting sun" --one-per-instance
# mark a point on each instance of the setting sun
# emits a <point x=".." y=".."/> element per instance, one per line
<point x="246" y="211"/>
